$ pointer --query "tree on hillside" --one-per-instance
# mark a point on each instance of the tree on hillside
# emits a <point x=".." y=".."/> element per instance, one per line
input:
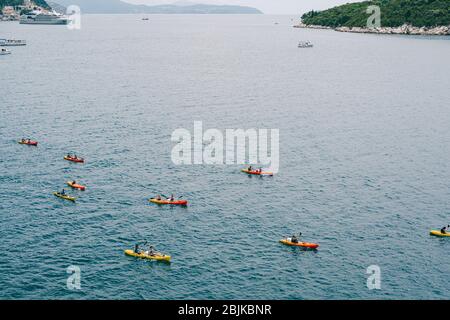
<point x="394" y="13"/>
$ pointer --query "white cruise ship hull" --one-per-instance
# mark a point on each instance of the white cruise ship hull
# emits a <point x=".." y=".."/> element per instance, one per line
<point x="48" y="22"/>
<point x="37" y="17"/>
<point x="12" y="43"/>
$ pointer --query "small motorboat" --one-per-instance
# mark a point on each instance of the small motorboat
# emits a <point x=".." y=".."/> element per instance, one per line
<point x="4" y="52"/>
<point x="305" y="44"/>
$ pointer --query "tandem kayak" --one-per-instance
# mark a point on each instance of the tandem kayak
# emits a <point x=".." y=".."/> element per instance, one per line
<point x="175" y="202"/>
<point x="299" y="244"/>
<point x="438" y="233"/>
<point x="262" y="173"/>
<point x="76" y="186"/>
<point x="143" y="255"/>
<point x="80" y="160"/>
<point x="30" y="143"/>
<point x="65" y="197"/>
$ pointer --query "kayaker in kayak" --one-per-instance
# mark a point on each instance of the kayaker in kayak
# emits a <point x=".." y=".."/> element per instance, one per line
<point x="172" y="197"/>
<point x="444" y="230"/>
<point x="158" y="197"/>
<point x="136" y="248"/>
<point x="294" y="238"/>
<point x="151" y="251"/>
<point x="249" y="168"/>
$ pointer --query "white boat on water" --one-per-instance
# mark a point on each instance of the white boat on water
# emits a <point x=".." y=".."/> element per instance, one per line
<point x="40" y="17"/>
<point x="305" y="44"/>
<point x="4" y="51"/>
<point x="12" y="42"/>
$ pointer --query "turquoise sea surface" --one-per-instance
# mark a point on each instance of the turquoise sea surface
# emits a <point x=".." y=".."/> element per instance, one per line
<point x="364" y="160"/>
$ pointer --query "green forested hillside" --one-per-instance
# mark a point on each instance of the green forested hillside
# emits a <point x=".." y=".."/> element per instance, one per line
<point x="394" y="13"/>
<point x="40" y="3"/>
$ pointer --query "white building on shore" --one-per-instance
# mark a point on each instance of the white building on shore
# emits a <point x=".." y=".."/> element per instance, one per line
<point x="9" y="14"/>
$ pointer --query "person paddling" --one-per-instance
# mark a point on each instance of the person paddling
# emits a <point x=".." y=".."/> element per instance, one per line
<point x="294" y="238"/>
<point x="249" y="168"/>
<point x="136" y="248"/>
<point x="444" y="230"/>
<point x="63" y="192"/>
<point x="151" y="251"/>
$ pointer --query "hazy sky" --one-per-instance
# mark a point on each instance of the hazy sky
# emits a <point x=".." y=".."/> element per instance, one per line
<point x="267" y="6"/>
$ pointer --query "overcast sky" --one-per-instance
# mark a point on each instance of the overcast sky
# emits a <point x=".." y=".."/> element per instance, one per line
<point x="267" y="6"/>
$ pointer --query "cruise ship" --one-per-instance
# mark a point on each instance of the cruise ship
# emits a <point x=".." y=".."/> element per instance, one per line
<point x="39" y="17"/>
<point x="12" y="42"/>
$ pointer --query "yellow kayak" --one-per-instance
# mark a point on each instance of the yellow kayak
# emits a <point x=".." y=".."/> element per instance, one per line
<point x="66" y="197"/>
<point x="438" y="233"/>
<point x="161" y="257"/>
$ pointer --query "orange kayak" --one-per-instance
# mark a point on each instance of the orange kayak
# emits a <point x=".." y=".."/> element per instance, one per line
<point x="175" y="202"/>
<point x="262" y="173"/>
<point x="299" y="244"/>
<point x="76" y="186"/>
<point x="81" y="160"/>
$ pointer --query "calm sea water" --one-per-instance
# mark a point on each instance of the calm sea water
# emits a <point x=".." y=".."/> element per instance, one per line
<point x="364" y="149"/>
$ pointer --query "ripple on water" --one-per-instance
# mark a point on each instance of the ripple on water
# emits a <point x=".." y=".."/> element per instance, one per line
<point x="363" y="177"/>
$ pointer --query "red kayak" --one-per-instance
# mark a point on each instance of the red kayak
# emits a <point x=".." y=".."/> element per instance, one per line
<point x="80" y="160"/>
<point x="29" y="143"/>
<point x="76" y="186"/>
<point x="258" y="173"/>
<point x="174" y="202"/>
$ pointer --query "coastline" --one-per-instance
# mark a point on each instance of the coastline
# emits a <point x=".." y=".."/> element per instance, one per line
<point x="404" y="29"/>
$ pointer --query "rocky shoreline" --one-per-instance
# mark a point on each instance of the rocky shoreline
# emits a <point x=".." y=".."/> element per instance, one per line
<point x="404" y="29"/>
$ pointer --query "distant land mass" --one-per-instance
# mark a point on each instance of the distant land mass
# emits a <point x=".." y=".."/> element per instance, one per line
<point x="40" y="3"/>
<point x="57" y="7"/>
<point x="394" y="13"/>
<point x="117" y="6"/>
